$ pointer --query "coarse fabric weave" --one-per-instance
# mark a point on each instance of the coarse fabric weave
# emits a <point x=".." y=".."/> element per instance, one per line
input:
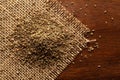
<point x="46" y="22"/>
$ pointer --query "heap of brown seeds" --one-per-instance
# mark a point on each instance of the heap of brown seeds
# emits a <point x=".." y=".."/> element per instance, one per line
<point x="40" y="42"/>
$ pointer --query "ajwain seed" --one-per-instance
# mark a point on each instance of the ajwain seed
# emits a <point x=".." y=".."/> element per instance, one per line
<point x="95" y="5"/>
<point x="99" y="66"/>
<point x="100" y="36"/>
<point x="112" y="18"/>
<point x="81" y="8"/>
<point x="105" y="11"/>
<point x="106" y="22"/>
<point x="86" y="5"/>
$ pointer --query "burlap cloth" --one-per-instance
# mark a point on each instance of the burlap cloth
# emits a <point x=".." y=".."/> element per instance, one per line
<point x="14" y="12"/>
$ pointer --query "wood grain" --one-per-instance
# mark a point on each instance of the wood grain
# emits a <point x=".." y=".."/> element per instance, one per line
<point x="104" y="17"/>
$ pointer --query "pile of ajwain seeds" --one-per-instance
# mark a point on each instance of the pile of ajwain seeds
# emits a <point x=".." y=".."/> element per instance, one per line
<point x="40" y="42"/>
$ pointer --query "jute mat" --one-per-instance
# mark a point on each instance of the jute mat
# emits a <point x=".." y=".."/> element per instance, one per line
<point x="38" y="39"/>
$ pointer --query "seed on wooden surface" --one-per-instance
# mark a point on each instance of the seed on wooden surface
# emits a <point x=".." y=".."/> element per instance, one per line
<point x="85" y="14"/>
<point x="96" y="46"/>
<point x="90" y="49"/>
<point x="105" y="11"/>
<point x="91" y="33"/>
<point x="81" y="8"/>
<point x="93" y="30"/>
<point x="106" y="22"/>
<point x="86" y="5"/>
<point x="73" y="62"/>
<point x="72" y="3"/>
<point x="99" y="66"/>
<point x="95" y="5"/>
<point x="100" y="36"/>
<point x="85" y="56"/>
<point x="80" y="60"/>
<point x="112" y="18"/>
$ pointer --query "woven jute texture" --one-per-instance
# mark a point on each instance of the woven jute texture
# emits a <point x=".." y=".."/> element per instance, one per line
<point x="38" y="39"/>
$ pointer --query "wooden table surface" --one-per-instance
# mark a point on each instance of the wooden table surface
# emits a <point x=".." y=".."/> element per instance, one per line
<point x="104" y="17"/>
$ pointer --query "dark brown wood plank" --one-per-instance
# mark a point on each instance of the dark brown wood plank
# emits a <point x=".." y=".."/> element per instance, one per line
<point x="107" y="24"/>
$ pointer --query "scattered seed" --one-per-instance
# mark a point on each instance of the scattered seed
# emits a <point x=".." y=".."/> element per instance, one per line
<point x="105" y="11"/>
<point x="72" y="3"/>
<point x="81" y="8"/>
<point x="93" y="30"/>
<point x="96" y="46"/>
<point x="90" y="49"/>
<point x="106" y="22"/>
<point x="112" y="18"/>
<point x="80" y="60"/>
<point x="91" y="33"/>
<point x="95" y="5"/>
<point x="85" y="14"/>
<point x="73" y="62"/>
<point x="85" y="56"/>
<point x="100" y="36"/>
<point x="99" y="66"/>
<point x="86" y="5"/>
